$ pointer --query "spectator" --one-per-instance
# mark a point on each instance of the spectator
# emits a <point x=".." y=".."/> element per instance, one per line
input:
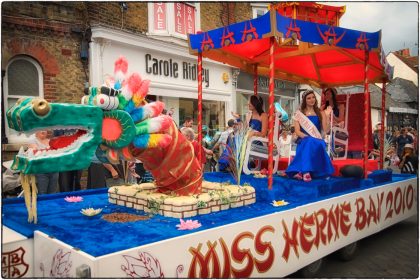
<point x="47" y="183"/>
<point x="409" y="162"/>
<point x="285" y="142"/>
<point x="67" y="180"/>
<point x="403" y="139"/>
<point x="221" y="143"/>
<point x="377" y="136"/>
<point x="188" y="122"/>
<point x="189" y="134"/>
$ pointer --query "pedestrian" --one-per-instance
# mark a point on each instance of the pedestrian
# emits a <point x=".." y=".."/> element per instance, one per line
<point x="403" y="139"/>
<point x="68" y="181"/>
<point x="221" y="143"/>
<point x="409" y="162"/>
<point x="47" y="183"/>
<point x="189" y="134"/>
<point x="188" y="122"/>
<point x="285" y="142"/>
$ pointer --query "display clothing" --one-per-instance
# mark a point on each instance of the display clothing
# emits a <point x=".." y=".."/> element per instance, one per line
<point x="311" y="155"/>
<point x="197" y="147"/>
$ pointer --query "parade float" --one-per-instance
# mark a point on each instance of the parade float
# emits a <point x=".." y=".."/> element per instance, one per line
<point x="175" y="226"/>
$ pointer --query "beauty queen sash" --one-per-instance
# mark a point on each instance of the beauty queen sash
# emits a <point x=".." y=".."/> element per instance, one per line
<point x="307" y="125"/>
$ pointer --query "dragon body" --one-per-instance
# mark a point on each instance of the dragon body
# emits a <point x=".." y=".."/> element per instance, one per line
<point x="114" y="122"/>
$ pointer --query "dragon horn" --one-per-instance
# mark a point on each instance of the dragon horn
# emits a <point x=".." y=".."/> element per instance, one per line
<point x="152" y="141"/>
<point x="120" y="68"/>
<point x="149" y="110"/>
<point x="153" y="125"/>
<point x="138" y="96"/>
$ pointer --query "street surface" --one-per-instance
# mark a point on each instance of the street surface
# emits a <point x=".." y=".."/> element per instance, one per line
<point x="391" y="253"/>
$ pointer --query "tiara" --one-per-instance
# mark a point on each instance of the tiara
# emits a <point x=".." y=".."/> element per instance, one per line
<point x="307" y="92"/>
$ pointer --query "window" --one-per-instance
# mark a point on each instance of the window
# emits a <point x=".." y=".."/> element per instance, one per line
<point x="24" y="78"/>
<point x="259" y="9"/>
<point x="213" y="114"/>
<point x="173" y="19"/>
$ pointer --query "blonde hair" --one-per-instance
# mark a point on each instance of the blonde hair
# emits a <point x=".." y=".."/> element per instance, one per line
<point x="188" y="132"/>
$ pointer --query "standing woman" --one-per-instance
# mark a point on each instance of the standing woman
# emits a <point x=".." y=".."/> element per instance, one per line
<point x="311" y="158"/>
<point x="257" y="118"/>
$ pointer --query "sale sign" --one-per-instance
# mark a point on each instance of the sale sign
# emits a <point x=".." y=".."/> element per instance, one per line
<point x="159" y="11"/>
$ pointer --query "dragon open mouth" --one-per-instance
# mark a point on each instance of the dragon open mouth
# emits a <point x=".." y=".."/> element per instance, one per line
<point x="70" y="140"/>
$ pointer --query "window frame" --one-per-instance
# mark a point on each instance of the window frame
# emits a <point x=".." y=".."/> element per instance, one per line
<point x="170" y="18"/>
<point x="258" y="6"/>
<point x="13" y="138"/>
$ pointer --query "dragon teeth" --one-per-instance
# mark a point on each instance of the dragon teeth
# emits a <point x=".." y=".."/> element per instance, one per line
<point x="30" y="152"/>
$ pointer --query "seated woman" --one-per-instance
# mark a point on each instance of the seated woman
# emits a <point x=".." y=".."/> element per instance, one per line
<point x="338" y="109"/>
<point x="256" y="117"/>
<point x="257" y="120"/>
<point x="311" y="158"/>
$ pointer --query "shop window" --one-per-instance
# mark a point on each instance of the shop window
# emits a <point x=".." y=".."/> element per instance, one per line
<point x="174" y="19"/>
<point x="24" y="78"/>
<point x="213" y="114"/>
<point x="287" y="103"/>
<point x="259" y="9"/>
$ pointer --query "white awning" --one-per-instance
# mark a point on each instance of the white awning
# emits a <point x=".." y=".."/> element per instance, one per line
<point x="403" y="110"/>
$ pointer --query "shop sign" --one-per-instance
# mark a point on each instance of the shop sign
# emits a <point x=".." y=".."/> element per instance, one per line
<point x="184" y="19"/>
<point x="159" y="10"/>
<point x="246" y="82"/>
<point x="170" y="68"/>
<point x="403" y="110"/>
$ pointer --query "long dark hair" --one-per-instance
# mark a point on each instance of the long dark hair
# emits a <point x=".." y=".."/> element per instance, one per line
<point x="258" y="103"/>
<point x="334" y="98"/>
<point x="316" y="109"/>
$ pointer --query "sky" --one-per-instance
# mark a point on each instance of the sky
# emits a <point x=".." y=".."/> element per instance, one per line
<point x="399" y="22"/>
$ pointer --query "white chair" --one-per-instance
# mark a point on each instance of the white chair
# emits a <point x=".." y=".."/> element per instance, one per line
<point x="344" y="143"/>
<point x="254" y="149"/>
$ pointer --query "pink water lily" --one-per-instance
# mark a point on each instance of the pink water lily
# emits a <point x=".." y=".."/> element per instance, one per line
<point x="73" y="198"/>
<point x="188" y="224"/>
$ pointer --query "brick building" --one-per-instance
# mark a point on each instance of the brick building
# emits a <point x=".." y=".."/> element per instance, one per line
<point x="55" y="49"/>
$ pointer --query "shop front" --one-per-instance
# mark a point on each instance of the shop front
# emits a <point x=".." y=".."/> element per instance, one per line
<point x="284" y="92"/>
<point x="402" y="117"/>
<point x="172" y="72"/>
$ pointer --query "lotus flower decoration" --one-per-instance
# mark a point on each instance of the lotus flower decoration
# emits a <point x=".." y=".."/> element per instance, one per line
<point x="73" y="198"/>
<point x="90" y="211"/>
<point x="279" y="203"/>
<point x="188" y="224"/>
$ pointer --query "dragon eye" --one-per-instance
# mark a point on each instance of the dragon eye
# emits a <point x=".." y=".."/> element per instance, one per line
<point x="41" y="106"/>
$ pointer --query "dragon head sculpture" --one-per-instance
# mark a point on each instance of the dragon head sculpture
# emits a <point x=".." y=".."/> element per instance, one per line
<point x="68" y="152"/>
<point x="114" y="122"/>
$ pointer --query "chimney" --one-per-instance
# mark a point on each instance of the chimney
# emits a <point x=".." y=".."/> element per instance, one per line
<point x="404" y="52"/>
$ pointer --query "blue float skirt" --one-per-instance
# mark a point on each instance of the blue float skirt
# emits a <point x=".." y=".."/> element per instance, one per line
<point x="311" y="157"/>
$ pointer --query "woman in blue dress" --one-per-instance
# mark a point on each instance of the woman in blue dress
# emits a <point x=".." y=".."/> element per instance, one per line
<point x="311" y="160"/>
<point x="257" y="120"/>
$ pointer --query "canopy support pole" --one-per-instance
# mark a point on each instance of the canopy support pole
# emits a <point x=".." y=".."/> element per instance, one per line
<point x="381" y="145"/>
<point x="271" y="116"/>
<point x="255" y="79"/>
<point x="366" y="116"/>
<point x="200" y="103"/>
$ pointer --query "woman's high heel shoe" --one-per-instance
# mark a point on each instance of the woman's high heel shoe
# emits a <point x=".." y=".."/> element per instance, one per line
<point x="298" y="176"/>
<point x="307" y="177"/>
